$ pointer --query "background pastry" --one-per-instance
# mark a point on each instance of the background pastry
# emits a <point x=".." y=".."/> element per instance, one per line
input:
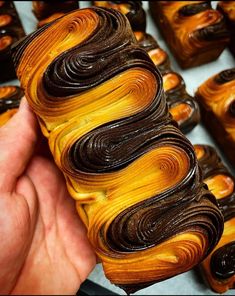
<point x="100" y="102"/>
<point x="216" y="97"/>
<point x="11" y="30"/>
<point x="183" y="107"/>
<point x="219" y="267"/>
<point x="195" y="33"/>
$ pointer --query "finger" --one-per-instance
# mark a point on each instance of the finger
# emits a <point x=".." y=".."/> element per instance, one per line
<point x="17" y="140"/>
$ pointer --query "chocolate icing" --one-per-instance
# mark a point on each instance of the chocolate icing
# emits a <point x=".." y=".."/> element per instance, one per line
<point x="108" y="158"/>
<point x="225" y="76"/>
<point x="196" y="8"/>
<point x="223" y="262"/>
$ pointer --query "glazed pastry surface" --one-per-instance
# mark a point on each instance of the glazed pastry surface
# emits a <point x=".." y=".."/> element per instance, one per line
<point x="135" y="177"/>
<point x="219" y="266"/>
<point x="195" y="33"/>
<point x="216" y="97"/>
<point x="183" y="108"/>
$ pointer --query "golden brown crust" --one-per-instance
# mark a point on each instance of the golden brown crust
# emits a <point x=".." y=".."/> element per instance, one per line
<point x="194" y="31"/>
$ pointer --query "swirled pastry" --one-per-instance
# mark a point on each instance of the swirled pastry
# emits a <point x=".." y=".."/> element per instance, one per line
<point x="216" y="97"/>
<point x="11" y="30"/>
<point x="183" y="108"/>
<point x="227" y="8"/>
<point x="219" y="266"/>
<point x="10" y="97"/>
<point x="134" y="176"/>
<point x="133" y="10"/>
<point x="195" y="33"/>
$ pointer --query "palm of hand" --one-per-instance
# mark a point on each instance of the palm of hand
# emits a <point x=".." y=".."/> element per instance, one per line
<point x="44" y="245"/>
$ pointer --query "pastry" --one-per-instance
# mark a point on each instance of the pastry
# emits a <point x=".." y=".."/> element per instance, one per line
<point x="216" y="97"/>
<point x="46" y="11"/>
<point x="132" y="9"/>
<point x="100" y="102"/>
<point x="219" y="267"/>
<point x="10" y="97"/>
<point x="11" y="30"/>
<point x="227" y="8"/>
<point x="195" y="33"/>
<point x="183" y="107"/>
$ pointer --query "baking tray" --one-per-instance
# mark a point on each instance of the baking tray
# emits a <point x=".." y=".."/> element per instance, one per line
<point x="191" y="282"/>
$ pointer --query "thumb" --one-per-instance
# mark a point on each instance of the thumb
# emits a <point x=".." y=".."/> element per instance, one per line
<point x="17" y="140"/>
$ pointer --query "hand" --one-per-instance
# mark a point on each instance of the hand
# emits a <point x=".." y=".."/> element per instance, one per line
<point x="44" y="248"/>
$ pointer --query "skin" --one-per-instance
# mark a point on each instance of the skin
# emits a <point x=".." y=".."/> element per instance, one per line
<point x="44" y="248"/>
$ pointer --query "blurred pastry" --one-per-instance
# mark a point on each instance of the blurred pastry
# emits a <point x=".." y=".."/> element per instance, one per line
<point x="219" y="267"/>
<point x="47" y="11"/>
<point x="216" y="97"/>
<point x="133" y="10"/>
<point x="11" y="30"/>
<point x="10" y="97"/>
<point x="135" y="178"/>
<point x="227" y="8"/>
<point x="195" y="33"/>
<point x="183" y="107"/>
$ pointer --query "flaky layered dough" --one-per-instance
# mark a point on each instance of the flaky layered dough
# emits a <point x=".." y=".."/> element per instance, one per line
<point x="134" y="176"/>
<point x="194" y="31"/>
<point x="219" y="266"/>
<point x="216" y="97"/>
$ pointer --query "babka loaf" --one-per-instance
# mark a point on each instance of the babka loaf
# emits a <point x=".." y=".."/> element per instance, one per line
<point x="10" y="97"/>
<point x="227" y="8"/>
<point x="216" y="97"/>
<point x="183" y="107"/>
<point x="47" y="11"/>
<point x="11" y="30"/>
<point x="132" y="9"/>
<point x="219" y="267"/>
<point x="135" y="177"/>
<point x="195" y="33"/>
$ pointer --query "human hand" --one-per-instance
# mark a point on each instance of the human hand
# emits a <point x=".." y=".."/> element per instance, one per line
<point x="44" y="247"/>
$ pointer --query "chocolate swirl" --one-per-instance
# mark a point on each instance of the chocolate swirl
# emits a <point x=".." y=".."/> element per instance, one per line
<point x="195" y="32"/>
<point x="196" y="8"/>
<point x="132" y="9"/>
<point x="225" y="76"/>
<point x="100" y="101"/>
<point x="218" y="267"/>
<point x="183" y="108"/>
<point x="223" y="262"/>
